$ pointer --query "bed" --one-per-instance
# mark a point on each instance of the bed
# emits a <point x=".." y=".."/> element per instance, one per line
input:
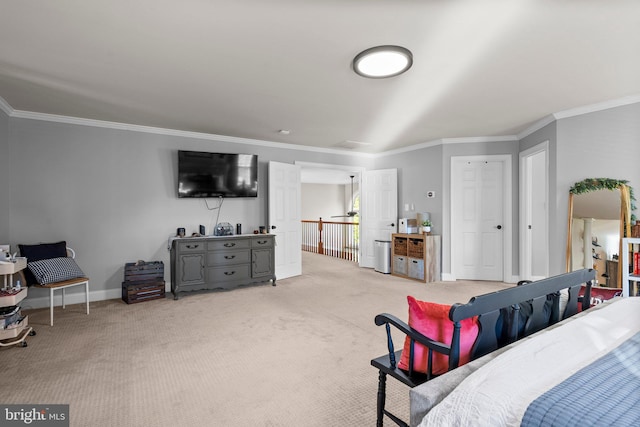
<point x="583" y="371"/>
<point x="530" y="339"/>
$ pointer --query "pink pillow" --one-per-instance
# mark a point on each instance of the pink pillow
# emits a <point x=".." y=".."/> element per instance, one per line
<point x="432" y="320"/>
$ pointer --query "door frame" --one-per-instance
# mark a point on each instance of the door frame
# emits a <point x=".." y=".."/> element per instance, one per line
<point x="357" y="170"/>
<point x="507" y="212"/>
<point x="526" y="267"/>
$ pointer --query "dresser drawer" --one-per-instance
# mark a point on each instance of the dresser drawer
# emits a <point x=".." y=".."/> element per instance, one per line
<point x="228" y="257"/>
<point x="262" y="242"/>
<point x="192" y="246"/>
<point x="229" y="273"/>
<point x="216" y="245"/>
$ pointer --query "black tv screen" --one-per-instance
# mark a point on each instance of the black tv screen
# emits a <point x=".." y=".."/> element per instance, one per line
<point x="202" y="174"/>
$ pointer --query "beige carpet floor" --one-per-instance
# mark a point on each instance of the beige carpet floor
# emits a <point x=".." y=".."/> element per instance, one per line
<point x="297" y="354"/>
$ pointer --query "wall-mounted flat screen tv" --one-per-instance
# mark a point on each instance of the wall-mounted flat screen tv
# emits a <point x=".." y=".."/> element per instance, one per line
<point x="202" y="174"/>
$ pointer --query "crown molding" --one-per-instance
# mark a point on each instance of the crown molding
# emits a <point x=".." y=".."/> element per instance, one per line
<point x="4" y="106"/>
<point x="174" y="132"/>
<point x="592" y="108"/>
<point x="10" y="111"/>
<point x="474" y="139"/>
<point x="536" y="126"/>
<point x="446" y="141"/>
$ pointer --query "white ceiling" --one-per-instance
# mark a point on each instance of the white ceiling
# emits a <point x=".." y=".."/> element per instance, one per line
<point x="249" y="68"/>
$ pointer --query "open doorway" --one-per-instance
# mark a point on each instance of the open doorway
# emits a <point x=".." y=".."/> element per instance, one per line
<point x="330" y="199"/>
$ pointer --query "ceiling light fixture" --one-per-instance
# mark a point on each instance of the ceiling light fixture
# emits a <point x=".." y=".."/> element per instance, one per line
<point x="382" y="61"/>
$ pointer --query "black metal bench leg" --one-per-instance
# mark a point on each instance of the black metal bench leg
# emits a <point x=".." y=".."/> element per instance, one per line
<point x="382" y="386"/>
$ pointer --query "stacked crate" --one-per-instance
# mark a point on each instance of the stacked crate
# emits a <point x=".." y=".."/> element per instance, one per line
<point x="143" y="281"/>
<point x="400" y="255"/>
<point x="415" y="252"/>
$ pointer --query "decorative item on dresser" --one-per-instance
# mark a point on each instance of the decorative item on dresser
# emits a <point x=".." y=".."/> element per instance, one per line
<point x="223" y="262"/>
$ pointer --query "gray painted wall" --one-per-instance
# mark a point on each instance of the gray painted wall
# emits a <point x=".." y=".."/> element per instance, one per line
<point x="430" y="169"/>
<point x="418" y="172"/>
<point x="601" y="144"/>
<point x="5" y="176"/>
<point x="323" y="201"/>
<point x="111" y="194"/>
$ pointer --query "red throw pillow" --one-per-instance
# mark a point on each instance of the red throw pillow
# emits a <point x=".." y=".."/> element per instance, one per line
<point x="432" y="320"/>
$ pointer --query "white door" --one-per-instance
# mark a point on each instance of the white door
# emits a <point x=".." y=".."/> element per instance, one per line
<point x="284" y="218"/>
<point x="534" y="213"/>
<point x="477" y="218"/>
<point x="378" y="211"/>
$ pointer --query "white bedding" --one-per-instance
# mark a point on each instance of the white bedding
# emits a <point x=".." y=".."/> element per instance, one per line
<point x="499" y="393"/>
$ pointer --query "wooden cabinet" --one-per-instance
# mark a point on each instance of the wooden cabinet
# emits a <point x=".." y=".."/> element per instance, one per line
<point x="224" y="262"/>
<point x="416" y="256"/>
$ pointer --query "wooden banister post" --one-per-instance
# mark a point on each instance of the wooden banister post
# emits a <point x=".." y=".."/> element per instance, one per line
<point x="320" y="247"/>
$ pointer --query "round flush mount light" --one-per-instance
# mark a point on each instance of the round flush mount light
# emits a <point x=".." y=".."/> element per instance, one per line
<point x="382" y="61"/>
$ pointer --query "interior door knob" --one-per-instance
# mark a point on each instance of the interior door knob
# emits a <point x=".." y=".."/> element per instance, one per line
<point x="499" y="227"/>
<point x="273" y="227"/>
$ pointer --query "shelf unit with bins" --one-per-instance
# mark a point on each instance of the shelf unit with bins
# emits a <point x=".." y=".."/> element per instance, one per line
<point x="17" y="332"/>
<point x="627" y="260"/>
<point x="416" y="256"/>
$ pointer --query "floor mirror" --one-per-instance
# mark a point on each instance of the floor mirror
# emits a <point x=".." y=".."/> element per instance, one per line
<point x="599" y="216"/>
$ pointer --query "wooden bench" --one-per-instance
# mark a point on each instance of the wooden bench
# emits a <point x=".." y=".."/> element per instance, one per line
<point x="521" y="310"/>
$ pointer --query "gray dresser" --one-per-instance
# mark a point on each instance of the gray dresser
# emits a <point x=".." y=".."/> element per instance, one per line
<point x="226" y="262"/>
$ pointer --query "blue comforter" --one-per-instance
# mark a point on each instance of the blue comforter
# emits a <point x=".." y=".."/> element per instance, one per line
<point x="604" y="393"/>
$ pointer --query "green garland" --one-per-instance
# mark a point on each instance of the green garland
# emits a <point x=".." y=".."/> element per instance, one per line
<point x="594" y="184"/>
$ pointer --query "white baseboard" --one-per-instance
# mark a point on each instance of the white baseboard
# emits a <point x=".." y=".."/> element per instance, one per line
<point x="448" y="277"/>
<point x="42" y="301"/>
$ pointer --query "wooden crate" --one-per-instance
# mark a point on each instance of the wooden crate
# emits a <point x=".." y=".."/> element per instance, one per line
<point x="416" y="248"/>
<point x="137" y="272"/>
<point x="134" y="292"/>
<point x="143" y="281"/>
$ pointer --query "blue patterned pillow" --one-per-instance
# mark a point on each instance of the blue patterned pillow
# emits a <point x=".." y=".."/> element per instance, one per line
<point x="53" y="270"/>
